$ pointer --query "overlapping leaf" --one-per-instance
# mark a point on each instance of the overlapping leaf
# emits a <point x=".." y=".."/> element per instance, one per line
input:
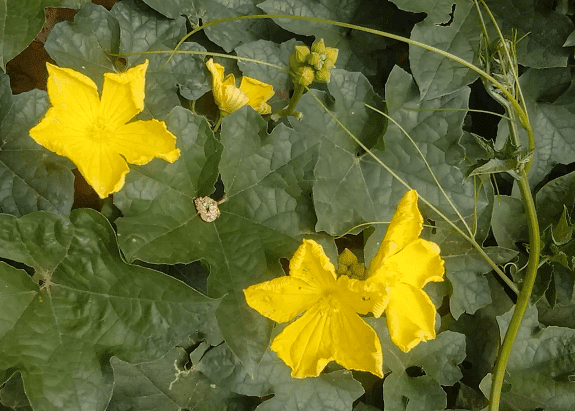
<point x="267" y="180"/>
<point x="546" y="31"/>
<point x="333" y="391"/>
<point x="352" y="188"/>
<point x="20" y="22"/>
<point x="541" y="366"/>
<point x="435" y="74"/>
<point x="31" y="177"/>
<point x="166" y="385"/>
<point x="85" y="305"/>
<point x="552" y="120"/>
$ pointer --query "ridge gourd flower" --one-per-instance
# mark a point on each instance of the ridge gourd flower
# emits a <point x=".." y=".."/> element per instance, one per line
<point x="230" y="98"/>
<point x="94" y="132"/>
<point x="330" y="328"/>
<point x="404" y="264"/>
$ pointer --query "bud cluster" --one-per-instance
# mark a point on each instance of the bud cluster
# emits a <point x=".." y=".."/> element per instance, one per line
<point x="312" y="65"/>
<point x="347" y="264"/>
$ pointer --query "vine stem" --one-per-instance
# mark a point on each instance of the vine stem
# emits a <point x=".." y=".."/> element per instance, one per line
<point x="524" y="295"/>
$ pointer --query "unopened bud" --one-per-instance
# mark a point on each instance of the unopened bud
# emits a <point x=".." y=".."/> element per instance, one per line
<point x="313" y="58"/>
<point x="346" y="258"/>
<point x="305" y="76"/>
<point x="322" y="76"/>
<point x="301" y="53"/>
<point x="318" y="46"/>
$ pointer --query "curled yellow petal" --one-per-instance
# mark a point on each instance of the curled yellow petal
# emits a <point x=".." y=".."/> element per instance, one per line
<point x="405" y="227"/>
<point x="410" y="316"/>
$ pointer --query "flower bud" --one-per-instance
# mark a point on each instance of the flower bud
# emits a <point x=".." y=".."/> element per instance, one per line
<point x="330" y="57"/>
<point x="301" y="53"/>
<point x="322" y="76"/>
<point x="357" y="271"/>
<point x="313" y="59"/>
<point x="318" y="46"/>
<point x="305" y="76"/>
<point x="346" y="258"/>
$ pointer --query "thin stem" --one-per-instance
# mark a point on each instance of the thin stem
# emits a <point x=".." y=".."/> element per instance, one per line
<point x="524" y="295"/>
<point x="471" y="240"/>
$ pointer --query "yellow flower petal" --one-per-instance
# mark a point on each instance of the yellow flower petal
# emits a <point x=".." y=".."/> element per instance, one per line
<point x="281" y="299"/>
<point x="410" y="316"/>
<point x="234" y="99"/>
<point x="72" y="95"/>
<point x="258" y="94"/>
<point x="356" y="345"/>
<point x="305" y="345"/>
<point x="123" y="94"/>
<point x="310" y="264"/>
<point x="139" y="142"/>
<point x="363" y="297"/>
<point x="416" y="264"/>
<point x="405" y="227"/>
<point x="93" y="133"/>
<point x="230" y="98"/>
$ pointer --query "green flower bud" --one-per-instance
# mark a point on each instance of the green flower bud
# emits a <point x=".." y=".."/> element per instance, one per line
<point x="330" y="57"/>
<point x="318" y="46"/>
<point x="322" y="76"/>
<point x="358" y="271"/>
<point x="346" y="258"/>
<point x="301" y="53"/>
<point x="313" y="59"/>
<point x="305" y="76"/>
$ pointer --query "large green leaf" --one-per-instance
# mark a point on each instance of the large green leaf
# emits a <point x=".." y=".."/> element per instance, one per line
<point x="267" y="180"/>
<point x="435" y="74"/>
<point x="333" y="391"/>
<point x="31" y="177"/>
<point x="20" y="22"/>
<point x="273" y="53"/>
<point x="553" y="122"/>
<point x="352" y="188"/>
<point x="465" y="272"/>
<point x="438" y="11"/>
<point x="83" y="305"/>
<point x="86" y="44"/>
<point x="228" y="35"/>
<point x="404" y="393"/>
<point x="552" y="197"/>
<point x="166" y="385"/>
<point x="439" y="358"/>
<point x="541" y="366"/>
<point x="546" y="31"/>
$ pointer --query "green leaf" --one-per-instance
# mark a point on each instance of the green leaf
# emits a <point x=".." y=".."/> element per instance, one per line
<point x="85" y="306"/>
<point x="471" y="289"/>
<point x="541" y="366"/>
<point x="335" y="391"/>
<point x="553" y="197"/>
<point x="352" y="188"/>
<point x="439" y="358"/>
<point x="32" y="177"/>
<point x="273" y="53"/>
<point x="20" y="22"/>
<point x="546" y="31"/>
<point x="12" y="394"/>
<point x="509" y="223"/>
<point x="267" y="180"/>
<point x="166" y="385"/>
<point x="404" y="393"/>
<point x="171" y="8"/>
<point x="143" y="30"/>
<point x="229" y="35"/>
<point x="86" y="43"/>
<point x="438" y="11"/>
<point x="437" y="75"/>
<point x="554" y="120"/>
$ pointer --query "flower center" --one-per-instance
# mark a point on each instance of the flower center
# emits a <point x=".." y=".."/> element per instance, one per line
<point x="100" y="130"/>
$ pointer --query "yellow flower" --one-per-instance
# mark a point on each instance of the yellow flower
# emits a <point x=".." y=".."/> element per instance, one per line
<point x="405" y="263"/>
<point x="230" y="98"/>
<point x="93" y="133"/>
<point x="330" y="328"/>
